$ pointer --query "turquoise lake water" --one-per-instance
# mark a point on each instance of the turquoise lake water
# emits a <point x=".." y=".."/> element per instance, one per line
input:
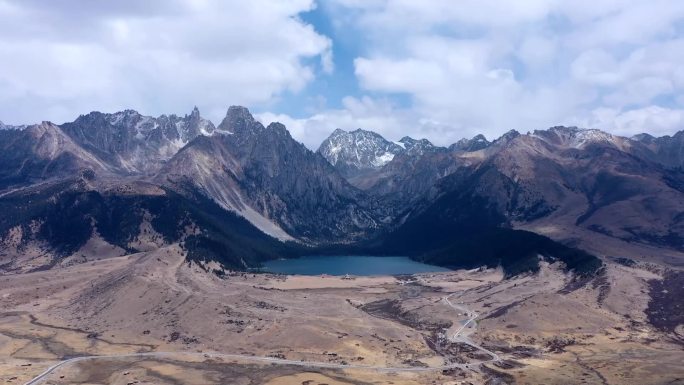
<point x="352" y="265"/>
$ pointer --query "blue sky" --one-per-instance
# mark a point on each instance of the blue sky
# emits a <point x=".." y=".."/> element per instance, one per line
<point x="437" y="69"/>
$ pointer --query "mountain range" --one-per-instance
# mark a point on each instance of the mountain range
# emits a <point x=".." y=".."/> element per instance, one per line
<point x="240" y="193"/>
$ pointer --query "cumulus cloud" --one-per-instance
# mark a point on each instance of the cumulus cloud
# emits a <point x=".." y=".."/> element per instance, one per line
<point x="61" y="58"/>
<point x="471" y="67"/>
<point x="376" y="114"/>
<point x="655" y="120"/>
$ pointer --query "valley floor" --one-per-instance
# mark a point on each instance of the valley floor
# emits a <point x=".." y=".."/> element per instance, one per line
<point x="194" y="327"/>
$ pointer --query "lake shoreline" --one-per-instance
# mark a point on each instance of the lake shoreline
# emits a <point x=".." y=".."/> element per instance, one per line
<point x="351" y="265"/>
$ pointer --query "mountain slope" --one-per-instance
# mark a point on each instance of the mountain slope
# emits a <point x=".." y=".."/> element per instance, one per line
<point x="40" y="152"/>
<point x="579" y="186"/>
<point x="366" y="159"/>
<point x="54" y="223"/>
<point x="133" y="143"/>
<point x="274" y="181"/>
<point x="357" y="151"/>
<point x="666" y="150"/>
<point x="590" y="179"/>
<point x="243" y="192"/>
<point x="553" y="181"/>
<point x="478" y="142"/>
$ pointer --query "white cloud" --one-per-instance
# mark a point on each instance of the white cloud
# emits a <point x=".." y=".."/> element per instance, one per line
<point x="596" y="67"/>
<point x="405" y="75"/>
<point x="490" y="66"/>
<point x="64" y="58"/>
<point x="639" y="91"/>
<point x="654" y="120"/>
<point x="378" y="115"/>
<point x="371" y="114"/>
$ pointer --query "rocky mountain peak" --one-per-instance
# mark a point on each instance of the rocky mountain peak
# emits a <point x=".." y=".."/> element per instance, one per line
<point x="666" y="150"/>
<point x="99" y="120"/>
<point x="644" y="138"/>
<point x="576" y="137"/>
<point x="193" y="125"/>
<point x="39" y="129"/>
<point x="507" y="137"/>
<point x="239" y="120"/>
<point x="4" y="126"/>
<point x="565" y="129"/>
<point x="133" y="142"/>
<point x="49" y="138"/>
<point x="407" y="140"/>
<point x="416" y="146"/>
<point x="195" y="114"/>
<point x="477" y="142"/>
<point x="358" y="150"/>
<point x="278" y="128"/>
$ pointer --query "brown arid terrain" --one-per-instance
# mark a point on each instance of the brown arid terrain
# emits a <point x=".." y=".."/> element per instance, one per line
<point x="152" y="318"/>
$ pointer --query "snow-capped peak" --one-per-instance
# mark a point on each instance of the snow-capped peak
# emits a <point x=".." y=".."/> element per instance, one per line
<point x="358" y="150"/>
<point x="577" y="137"/>
<point x="416" y="146"/>
<point x="476" y="143"/>
<point x="137" y="142"/>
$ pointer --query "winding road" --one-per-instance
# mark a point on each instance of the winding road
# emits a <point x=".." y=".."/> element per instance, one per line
<point x="456" y="337"/>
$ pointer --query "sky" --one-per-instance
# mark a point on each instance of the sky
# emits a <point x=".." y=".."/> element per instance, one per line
<point x="441" y="70"/>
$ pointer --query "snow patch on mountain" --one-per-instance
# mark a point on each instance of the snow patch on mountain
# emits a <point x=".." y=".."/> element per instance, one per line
<point x="136" y="143"/>
<point x="383" y="159"/>
<point x="416" y="147"/>
<point x="573" y="137"/>
<point x="358" y="150"/>
<point x="355" y="153"/>
<point x="478" y="142"/>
